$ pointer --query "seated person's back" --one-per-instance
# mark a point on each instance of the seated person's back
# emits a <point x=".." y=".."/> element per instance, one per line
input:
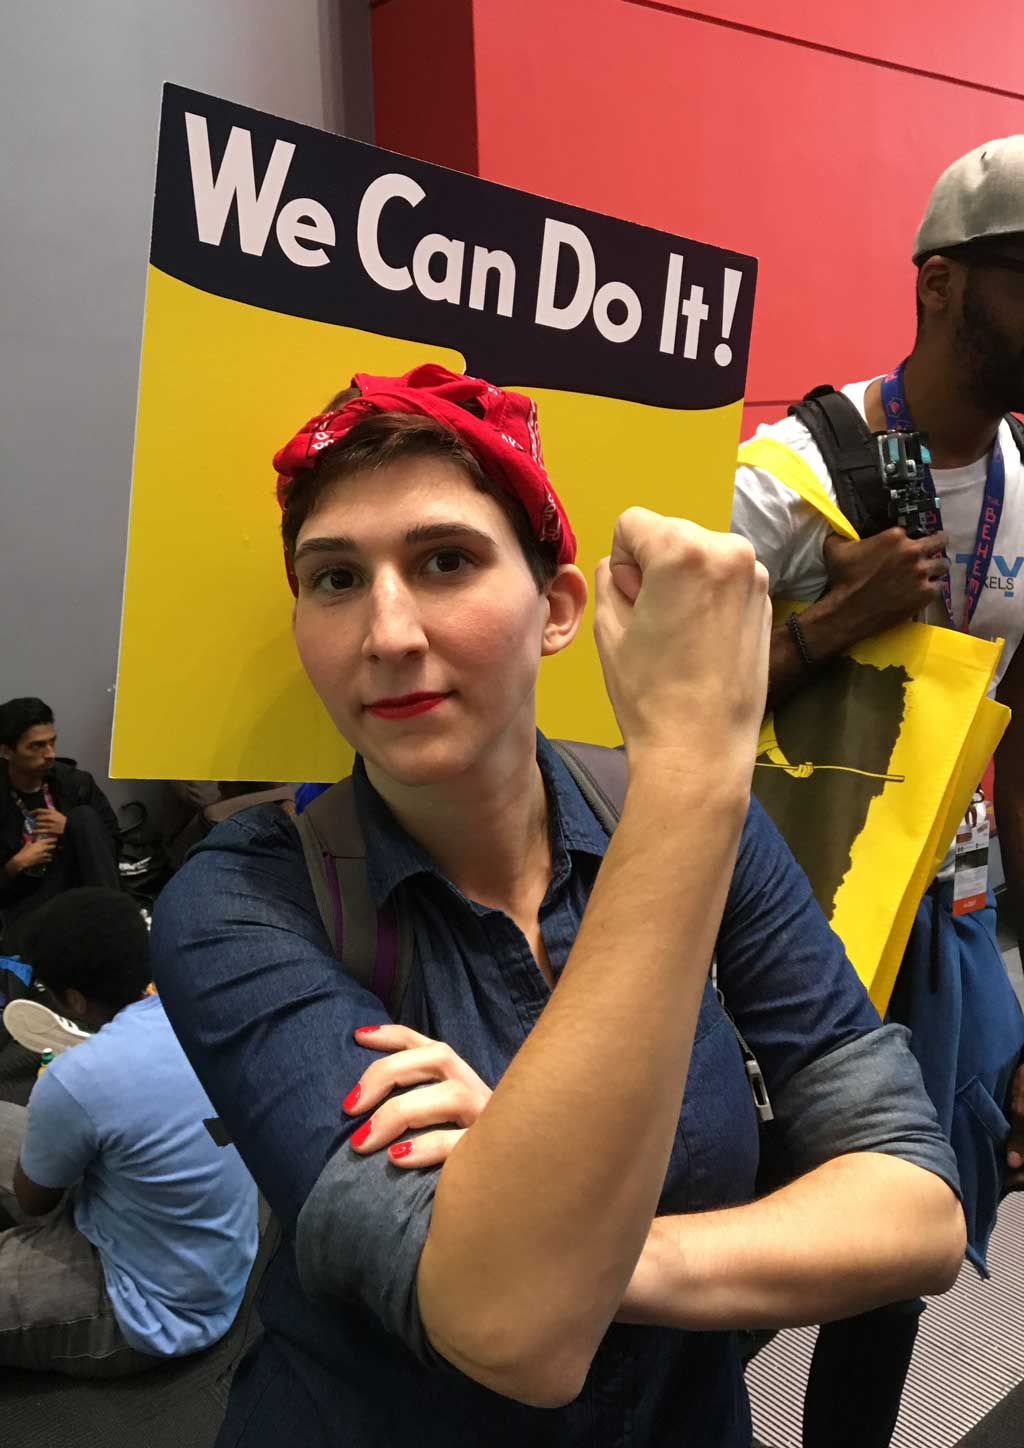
<point x="120" y="1119"/>
<point x="172" y="1215"/>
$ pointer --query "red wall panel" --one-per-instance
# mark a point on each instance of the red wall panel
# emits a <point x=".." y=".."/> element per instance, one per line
<point x="980" y="44"/>
<point x="424" y="85"/>
<point x="818" y="163"/>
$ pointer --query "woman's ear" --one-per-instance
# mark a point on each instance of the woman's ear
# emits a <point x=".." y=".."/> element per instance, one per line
<point x="567" y="598"/>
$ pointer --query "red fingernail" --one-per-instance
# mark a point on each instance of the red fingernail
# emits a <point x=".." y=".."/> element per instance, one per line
<point x="352" y="1099"/>
<point x="400" y="1149"/>
<point x="358" y="1137"/>
<point x="362" y="1030"/>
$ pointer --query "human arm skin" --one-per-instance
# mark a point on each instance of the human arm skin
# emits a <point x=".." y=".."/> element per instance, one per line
<point x="541" y="1214"/>
<point x="34" y="1201"/>
<point x="36" y="852"/>
<point x="860" y="1230"/>
<point x="874" y="584"/>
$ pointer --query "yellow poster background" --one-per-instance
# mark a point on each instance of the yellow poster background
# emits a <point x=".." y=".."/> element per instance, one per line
<point x="209" y="684"/>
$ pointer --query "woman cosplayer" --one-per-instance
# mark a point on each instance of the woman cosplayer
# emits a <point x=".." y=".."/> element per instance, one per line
<point x="551" y="1237"/>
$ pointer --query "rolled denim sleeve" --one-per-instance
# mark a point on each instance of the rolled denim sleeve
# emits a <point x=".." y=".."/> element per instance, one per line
<point x="866" y="1096"/>
<point x="359" y="1238"/>
<point x="266" y="1016"/>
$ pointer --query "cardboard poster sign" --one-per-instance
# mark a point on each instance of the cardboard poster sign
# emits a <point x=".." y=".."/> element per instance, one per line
<point x="284" y="260"/>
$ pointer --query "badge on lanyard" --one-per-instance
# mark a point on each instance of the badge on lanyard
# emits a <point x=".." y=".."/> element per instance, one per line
<point x="970" y="876"/>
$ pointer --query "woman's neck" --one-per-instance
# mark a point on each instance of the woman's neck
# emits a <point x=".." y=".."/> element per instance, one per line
<point x="487" y="829"/>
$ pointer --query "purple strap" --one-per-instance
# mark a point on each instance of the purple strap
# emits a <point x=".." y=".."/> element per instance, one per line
<point x="386" y="964"/>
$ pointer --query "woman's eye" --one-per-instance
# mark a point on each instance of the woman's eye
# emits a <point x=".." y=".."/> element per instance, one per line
<point x="334" y="580"/>
<point x="449" y="560"/>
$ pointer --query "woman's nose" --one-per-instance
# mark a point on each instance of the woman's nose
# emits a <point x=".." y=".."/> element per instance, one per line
<point x="395" y="628"/>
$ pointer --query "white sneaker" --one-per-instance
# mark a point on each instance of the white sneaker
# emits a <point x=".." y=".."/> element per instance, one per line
<point x="37" y="1028"/>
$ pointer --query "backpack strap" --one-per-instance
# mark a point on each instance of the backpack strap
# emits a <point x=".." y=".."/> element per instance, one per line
<point x="846" y="444"/>
<point x="1017" y="428"/>
<point x="601" y="775"/>
<point x="374" y="947"/>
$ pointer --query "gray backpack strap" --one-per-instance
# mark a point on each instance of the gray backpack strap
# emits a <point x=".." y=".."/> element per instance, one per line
<point x="374" y="947"/>
<point x="601" y="774"/>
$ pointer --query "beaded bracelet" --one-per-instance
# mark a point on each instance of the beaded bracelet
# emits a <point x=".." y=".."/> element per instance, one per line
<point x="796" y="633"/>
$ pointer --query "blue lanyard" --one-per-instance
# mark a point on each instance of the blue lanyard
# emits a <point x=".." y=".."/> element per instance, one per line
<point x="898" y="419"/>
<point x="26" y="813"/>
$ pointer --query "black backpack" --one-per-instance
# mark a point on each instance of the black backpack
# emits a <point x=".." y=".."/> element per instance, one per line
<point x="848" y="448"/>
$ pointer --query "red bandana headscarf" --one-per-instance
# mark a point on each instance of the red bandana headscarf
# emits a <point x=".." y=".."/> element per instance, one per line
<point x="504" y="441"/>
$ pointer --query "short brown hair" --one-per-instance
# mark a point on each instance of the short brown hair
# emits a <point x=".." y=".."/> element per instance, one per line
<point x="384" y="437"/>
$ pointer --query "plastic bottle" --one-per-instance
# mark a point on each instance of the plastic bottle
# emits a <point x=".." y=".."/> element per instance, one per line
<point x="46" y="1059"/>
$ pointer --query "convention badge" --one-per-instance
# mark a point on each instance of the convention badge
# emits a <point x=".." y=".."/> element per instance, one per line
<point x="970" y="877"/>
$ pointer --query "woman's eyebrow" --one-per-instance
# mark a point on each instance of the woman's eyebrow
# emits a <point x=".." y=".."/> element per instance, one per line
<point x="338" y="544"/>
<point x="424" y="533"/>
<point x="435" y="532"/>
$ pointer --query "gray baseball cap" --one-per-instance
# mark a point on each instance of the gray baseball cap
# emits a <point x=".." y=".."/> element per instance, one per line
<point x="979" y="196"/>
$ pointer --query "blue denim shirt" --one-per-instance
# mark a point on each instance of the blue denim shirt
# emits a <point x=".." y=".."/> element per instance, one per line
<point x="266" y="1015"/>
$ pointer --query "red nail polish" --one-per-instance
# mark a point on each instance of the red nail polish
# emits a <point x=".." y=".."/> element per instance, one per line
<point x="400" y="1149"/>
<point x="352" y="1099"/>
<point x="363" y="1030"/>
<point x="358" y="1137"/>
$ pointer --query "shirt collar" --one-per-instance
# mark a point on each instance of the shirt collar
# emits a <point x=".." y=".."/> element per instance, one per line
<point x="392" y="856"/>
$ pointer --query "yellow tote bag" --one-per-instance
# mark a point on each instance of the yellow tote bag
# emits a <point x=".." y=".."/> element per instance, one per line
<point x="869" y="767"/>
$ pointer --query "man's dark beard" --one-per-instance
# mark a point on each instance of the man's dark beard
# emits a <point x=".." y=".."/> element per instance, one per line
<point x="994" y="369"/>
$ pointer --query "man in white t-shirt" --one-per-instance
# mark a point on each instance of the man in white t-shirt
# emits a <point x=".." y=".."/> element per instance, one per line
<point x="965" y="373"/>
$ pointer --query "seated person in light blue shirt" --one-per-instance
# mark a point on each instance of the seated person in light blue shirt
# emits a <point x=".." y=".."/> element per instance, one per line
<point x="148" y="1254"/>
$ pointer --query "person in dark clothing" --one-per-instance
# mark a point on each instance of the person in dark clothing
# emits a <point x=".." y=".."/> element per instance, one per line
<point x="57" y="828"/>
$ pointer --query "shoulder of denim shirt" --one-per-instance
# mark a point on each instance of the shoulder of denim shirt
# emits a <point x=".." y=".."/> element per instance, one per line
<point x="260" y="825"/>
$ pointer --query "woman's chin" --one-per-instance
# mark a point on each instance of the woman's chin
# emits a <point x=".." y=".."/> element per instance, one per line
<point x="416" y="763"/>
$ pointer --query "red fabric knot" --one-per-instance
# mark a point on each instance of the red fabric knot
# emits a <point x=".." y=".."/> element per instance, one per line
<point x="505" y="440"/>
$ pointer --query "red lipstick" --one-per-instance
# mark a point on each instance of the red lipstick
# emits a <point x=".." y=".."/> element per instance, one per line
<point x="405" y="706"/>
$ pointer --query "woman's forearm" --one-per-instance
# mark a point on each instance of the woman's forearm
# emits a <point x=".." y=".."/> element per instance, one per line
<point x="542" y="1210"/>
<point x="860" y="1231"/>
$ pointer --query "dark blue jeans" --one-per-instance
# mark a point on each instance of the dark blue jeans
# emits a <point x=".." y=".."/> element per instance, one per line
<point x="857" y="1374"/>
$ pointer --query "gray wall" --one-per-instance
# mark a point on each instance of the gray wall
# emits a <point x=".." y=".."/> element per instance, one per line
<point x="79" y="108"/>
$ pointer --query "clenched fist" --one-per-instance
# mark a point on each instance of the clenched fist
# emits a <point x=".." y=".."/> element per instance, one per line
<point x="682" y="621"/>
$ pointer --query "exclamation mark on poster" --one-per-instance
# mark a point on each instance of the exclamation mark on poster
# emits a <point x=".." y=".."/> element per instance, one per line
<point x="730" y="296"/>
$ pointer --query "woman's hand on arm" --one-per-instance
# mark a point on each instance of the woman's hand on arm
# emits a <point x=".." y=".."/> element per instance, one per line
<point x="448" y="1099"/>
